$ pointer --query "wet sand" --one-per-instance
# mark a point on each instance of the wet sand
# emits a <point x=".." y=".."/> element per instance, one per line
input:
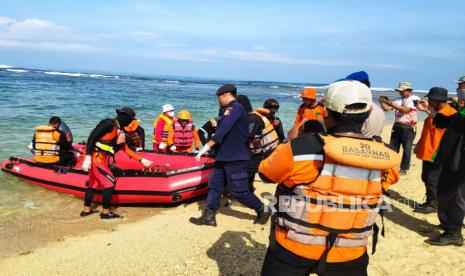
<point x="165" y="243"/>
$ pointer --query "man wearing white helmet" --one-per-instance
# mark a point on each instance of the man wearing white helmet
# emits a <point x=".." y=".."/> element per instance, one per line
<point x="163" y="130"/>
<point x="331" y="186"/>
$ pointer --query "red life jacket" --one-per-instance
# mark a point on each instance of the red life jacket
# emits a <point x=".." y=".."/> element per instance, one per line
<point x="183" y="137"/>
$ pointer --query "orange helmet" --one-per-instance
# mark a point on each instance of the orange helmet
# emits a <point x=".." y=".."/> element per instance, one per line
<point x="184" y="115"/>
<point x="309" y="93"/>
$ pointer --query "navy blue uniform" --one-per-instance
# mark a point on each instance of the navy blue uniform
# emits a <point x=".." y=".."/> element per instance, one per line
<point x="231" y="138"/>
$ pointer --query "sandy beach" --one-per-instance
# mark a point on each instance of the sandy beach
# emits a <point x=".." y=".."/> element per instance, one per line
<point x="163" y="242"/>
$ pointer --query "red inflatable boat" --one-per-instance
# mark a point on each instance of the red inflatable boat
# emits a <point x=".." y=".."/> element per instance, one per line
<point x="176" y="177"/>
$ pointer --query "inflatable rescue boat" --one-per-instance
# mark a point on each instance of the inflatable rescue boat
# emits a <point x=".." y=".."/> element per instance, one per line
<point x="174" y="178"/>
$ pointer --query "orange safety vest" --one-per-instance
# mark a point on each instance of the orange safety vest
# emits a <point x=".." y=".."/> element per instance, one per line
<point x="331" y="218"/>
<point x="46" y="145"/>
<point x="108" y="145"/>
<point x="267" y="140"/>
<point x="183" y="136"/>
<point x="132" y="135"/>
<point x="167" y="129"/>
<point x="314" y="113"/>
<point x="431" y="136"/>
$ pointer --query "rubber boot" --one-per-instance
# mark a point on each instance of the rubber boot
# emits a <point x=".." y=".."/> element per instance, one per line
<point x="447" y="238"/>
<point x="208" y="218"/>
<point x="263" y="214"/>
<point x="428" y="207"/>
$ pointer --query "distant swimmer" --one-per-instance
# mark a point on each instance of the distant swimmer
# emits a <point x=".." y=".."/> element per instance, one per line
<point x="52" y="143"/>
<point x="163" y="130"/>
<point x="135" y="135"/>
<point x="405" y="124"/>
<point x="230" y="143"/>
<point x="330" y="191"/>
<point x="185" y="138"/>
<point x="104" y="141"/>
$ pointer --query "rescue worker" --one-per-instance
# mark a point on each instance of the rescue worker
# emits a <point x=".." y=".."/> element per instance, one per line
<point x="52" y="145"/>
<point x="231" y="157"/>
<point x="135" y="135"/>
<point x="330" y="192"/>
<point x="163" y="130"/>
<point x="310" y="109"/>
<point x="104" y="141"/>
<point x="440" y="115"/>
<point x="451" y="187"/>
<point x="273" y="106"/>
<point x="263" y="140"/>
<point x="185" y="134"/>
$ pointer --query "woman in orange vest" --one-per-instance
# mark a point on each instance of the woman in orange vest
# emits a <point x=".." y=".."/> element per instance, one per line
<point x="163" y="130"/>
<point x="185" y="135"/>
<point x="330" y="192"/>
<point x="440" y="115"/>
<point x="104" y="141"/>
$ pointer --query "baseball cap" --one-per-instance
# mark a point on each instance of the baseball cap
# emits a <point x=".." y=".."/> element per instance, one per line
<point x="167" y="108"/>
<point x="403" y="85"/>
<point x="227" y="88"/>
<point x="348" y="97"/>
<point x="437" y="93"/>
<point x="126" y="110"/>
<point x="309" y="93"/>
<point x="460" y="80"/>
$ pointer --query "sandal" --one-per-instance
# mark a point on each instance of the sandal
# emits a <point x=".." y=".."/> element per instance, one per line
<point x="85" y="214"/>
<point x="109" y="216"/>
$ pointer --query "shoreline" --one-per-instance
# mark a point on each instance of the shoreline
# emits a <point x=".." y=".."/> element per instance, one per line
<point x="163" y="241"/>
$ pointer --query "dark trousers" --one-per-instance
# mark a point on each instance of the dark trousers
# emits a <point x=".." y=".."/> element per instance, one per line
<point x="67" y="159"/>
<point x="451" y="199"/>
<point x="235" y="174"/>
<point x="281" y="262"/>
<point x="252" y="166"/>
<point x="403" y="135"/>
<point x="430" y="176"/>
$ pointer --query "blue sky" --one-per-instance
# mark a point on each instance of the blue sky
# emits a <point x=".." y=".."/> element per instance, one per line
<point x="304" y="41"/>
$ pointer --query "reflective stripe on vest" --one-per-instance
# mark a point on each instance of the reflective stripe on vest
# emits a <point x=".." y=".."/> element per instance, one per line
<point x="46" y="148"/>
<point x="166" y="128"/>
<point x="183" y="137"/>
<point x="267" y="140"/>
<point x="111" y="142"/>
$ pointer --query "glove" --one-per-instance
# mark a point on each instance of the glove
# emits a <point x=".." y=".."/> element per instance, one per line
<point x="162" y="146"/>
<point x="30" y="146"/>
<point x="139" y="149"/>
<point x="196" y="151"/>
<point x="146" y="163"/>
<point x="86" y="163"/>
<point x="173" y="148"/>
<point x="201" y="152"/>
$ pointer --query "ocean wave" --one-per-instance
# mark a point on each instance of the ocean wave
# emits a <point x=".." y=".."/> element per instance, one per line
<point x="170" y="81"/>
<point x="3" y="66"/>
<point x="274" y="87"/>
<point x="381" y="89"/>
<point x="80" y="75"/>
<point x="17" y="70"/>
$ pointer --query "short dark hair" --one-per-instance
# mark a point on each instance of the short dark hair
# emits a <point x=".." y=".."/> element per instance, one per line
<point x="54" y="120"/>
<point x="349" y="119"/>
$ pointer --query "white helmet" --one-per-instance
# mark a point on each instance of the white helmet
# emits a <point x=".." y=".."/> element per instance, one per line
<point x="167" y="108"/>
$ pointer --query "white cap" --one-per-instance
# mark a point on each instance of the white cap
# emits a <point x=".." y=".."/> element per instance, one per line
<point x="341" y="94"/>
<point x="167" y="108"/>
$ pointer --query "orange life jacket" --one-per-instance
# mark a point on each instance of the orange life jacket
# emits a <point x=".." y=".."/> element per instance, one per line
<point x="110" y="143"/>
<point x="314" y="113"/>
<point x="167" y="134"/>
<point x="265" y="141"/>
<point x="183" y="136"/>
<point x="431" y="136"/>
<point x="46" y="144"/>
<point x="331" y="218"/>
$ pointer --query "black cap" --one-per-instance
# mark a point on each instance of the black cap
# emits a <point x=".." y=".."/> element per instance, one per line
<point x="227" y="88"/>
<point x="437" y="93"/>
<point x="271" y="103"/>
<point x="127" y="110"/>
